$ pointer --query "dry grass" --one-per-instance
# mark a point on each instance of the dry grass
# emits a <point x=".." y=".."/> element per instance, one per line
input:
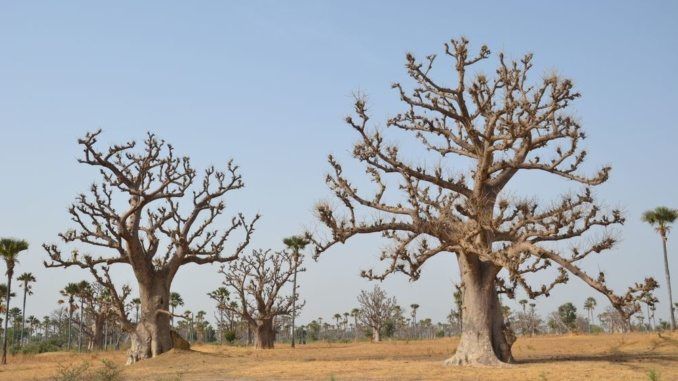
<point x="602" y="357"/>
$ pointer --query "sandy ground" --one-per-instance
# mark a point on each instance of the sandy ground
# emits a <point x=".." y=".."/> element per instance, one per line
<point x="550" y="358"/>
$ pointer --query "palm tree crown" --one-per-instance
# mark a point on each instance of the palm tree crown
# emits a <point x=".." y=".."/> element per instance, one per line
<point x="661" y="218"/>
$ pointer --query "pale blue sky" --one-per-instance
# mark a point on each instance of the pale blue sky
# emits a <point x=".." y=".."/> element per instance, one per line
<point x="268" y="83"/>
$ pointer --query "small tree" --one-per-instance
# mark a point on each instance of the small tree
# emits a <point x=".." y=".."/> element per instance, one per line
<point x="221" y="297"/>
<point x="296" y="244"/>
<point x="375" y="309"/>
<point x="258" y="281"/>
<point x="70" y="292"/>
<point x="590" y="305"/>
<point x="662" y="218"/>
<point x="568" y="315"/>
<point x="26" y="279"/>
<point x="9" y="251"/>
<point x="158" y="230"/>
<point x="175" y="301"/>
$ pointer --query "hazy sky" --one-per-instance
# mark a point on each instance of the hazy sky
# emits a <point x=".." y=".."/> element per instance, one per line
<point x="268" y="84"/>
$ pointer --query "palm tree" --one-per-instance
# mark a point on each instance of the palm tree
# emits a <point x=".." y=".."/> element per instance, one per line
<point x="136" y="302"/>
<point x="9" y="251"/>
<point x="70" y="291"/>
<point x="25" y="279"/>
<point x="221" y="296"/>
<point x="175" y="301"/>
<point x="590" y="305"/>
<point x="414" y="307"/>
<point x="523" y="302"/>
<point x="296" y="243"/>
<point x="84" y="290"/>
<point x="355" y="313"/>
<point x="662" y="218"/>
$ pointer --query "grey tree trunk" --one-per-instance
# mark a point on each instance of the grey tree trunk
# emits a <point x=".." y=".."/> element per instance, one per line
<point x="294" y="298"/>
<point x="98" y="337"/>
<point x="376" y="335"/>
<point x="10" y="274"/>
<point x="23" y="317"/>
<point x="484" y="338"/>
<point x="265" y="334"/>
<point x="152" y="335"/>
<point x="668" y="283"/>
<point x="82" y="318"/>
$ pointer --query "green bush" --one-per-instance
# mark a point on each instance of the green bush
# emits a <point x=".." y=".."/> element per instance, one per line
<point x="83" y="372"/>
<point x="51" y="345"/>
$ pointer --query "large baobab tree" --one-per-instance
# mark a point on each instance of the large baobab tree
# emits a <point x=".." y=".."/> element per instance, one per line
<point x="494" y="127"/>
<point x="662" y="218"/>
<point x="9" y="251"/>
<point x="375" y="308"/>
<point x="257" y="281"/>
<point x="296" y="244"/>
<point x="26" y="279"/>
<point x="152" y="212"/>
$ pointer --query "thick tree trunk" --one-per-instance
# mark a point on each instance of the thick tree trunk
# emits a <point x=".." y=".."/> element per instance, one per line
<point x="376" y="336"/>
<point x="484" y="338"/>
<point x="98" y="339"/>
<point x="152" y="336"/>
<point x="265" y="334"/>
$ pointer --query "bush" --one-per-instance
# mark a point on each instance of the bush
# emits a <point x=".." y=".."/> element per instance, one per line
<point x="230" y="336"/>
<point x="52" y="345"/>
<point x="82" y="372"/>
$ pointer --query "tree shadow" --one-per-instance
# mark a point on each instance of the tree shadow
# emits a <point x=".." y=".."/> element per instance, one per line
<point x="612" y="357"/>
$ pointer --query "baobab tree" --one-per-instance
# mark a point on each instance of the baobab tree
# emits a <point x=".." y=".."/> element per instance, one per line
<point x="258" y="280"/>
<point x="9" y="251"/>
<point x="662" y="218"/>
<point x="496" y="127"/>
<point x="159" y="229"/>
<point x="296" y="244"/>
<point x="26" y="279"/>
<point x="375" y="308"/>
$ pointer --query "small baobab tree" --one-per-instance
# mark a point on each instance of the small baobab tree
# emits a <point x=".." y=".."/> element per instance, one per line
<point x="153" y="213"/>
<point x="25" y="280"/>
<point x="662" y="218"/>
<point x="9" y="251"/>
<point x="258" y="281"/>
<point x="375" y="309"/>
<point x="497" y="127"/>
<point x="296" y="244"/>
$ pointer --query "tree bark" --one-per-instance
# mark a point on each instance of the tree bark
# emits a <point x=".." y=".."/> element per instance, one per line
<point x="10" y="274"/>
<point x="376" y="336"/>
<point x="152" y="335"/>
<point x="23" y="317"/>
<point x="668" y="282"/>
<point x="98" y="339"/>
<point x="265" y="334"/>
<point x="484" y="339"/>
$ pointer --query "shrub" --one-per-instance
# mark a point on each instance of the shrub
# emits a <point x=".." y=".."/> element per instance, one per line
<point x="82" y="372"/>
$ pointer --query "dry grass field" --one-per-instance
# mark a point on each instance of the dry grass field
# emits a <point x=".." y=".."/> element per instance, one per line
<point x="584" y="357"/>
